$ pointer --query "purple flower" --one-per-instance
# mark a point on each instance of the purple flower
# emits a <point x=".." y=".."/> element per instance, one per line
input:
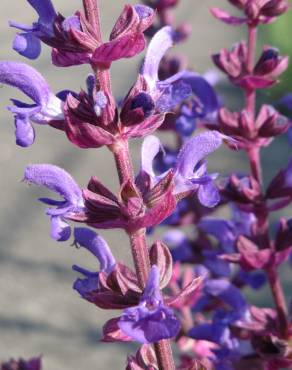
<point x="190" y="171"/>
<point x="60" y="182"/>
<point x="150" y="321"/>
<point x="95" y="244"/>
<point x="46" y="108"/>
<point x="27" y="43"/>
<point x="227" y="231"/>
<point x="173" y="91"/>
<point x="228" y="294"/>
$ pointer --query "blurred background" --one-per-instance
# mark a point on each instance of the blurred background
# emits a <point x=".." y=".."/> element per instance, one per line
<point x="39" y="311"/>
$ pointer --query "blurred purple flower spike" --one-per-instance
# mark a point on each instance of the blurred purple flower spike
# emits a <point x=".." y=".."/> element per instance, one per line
<point x="150" y="321"/>
<point x="32" y="364"/>
<point x="190" y="171"/>
<point x="47" y="107"/>
<point x="28" y="42"/>
<point x="60" y="182"/>
<point x="95" y="244"/>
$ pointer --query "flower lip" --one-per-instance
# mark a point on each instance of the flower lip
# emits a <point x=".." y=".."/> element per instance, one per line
<point x="90" y="240"/>
<point x="26" y="79"/>
<point x="158" y="46"/>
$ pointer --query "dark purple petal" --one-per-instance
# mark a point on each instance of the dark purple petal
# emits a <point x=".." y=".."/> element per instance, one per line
<point x="227" y="292"/>
<point x="222" y="230"/>
<point x="286" y="101"/>
<point x="60" y="230"/>
<point x="208" y="194"/>
<point x="24" y="132"/>
<point x="97" y="246"/>
<point x="26" y="79"/>
<point x="27" y="45"/>
<point x="55" y="179"/>
<point x="45" y="10"/>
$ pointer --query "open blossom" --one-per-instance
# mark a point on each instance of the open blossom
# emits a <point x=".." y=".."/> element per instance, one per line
<point x="46" y="107"/>
<point x="95" y="244"/>
<point x="74" y="41"/>
<point x="171" y="92"/>
<point x="190" y="170"/>
<point x="28" y="42"/>
<point x="151" y="320"/>
<point x="60" y="182"/>
<point x="143" y="110"/>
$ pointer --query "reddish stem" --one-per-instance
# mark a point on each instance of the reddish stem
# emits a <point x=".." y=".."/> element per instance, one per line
<point x="255" y="163"/>
<point x="256" y="170"/>
<point x="279" y="298"/>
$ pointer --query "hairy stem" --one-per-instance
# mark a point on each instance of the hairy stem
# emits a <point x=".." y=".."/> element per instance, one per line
<point x="262" y="218"/>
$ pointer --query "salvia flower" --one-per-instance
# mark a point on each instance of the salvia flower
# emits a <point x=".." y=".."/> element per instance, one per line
<point x="151" y="96"/>
<point x="190" y="171"/>
<point x="150" y="321"/>
<point x="171" y="92"/>
<point x="28" y="42"/>
<point x="46" y="106"/>
<point x="59" y="181"/>
<point x="96" y="245"/>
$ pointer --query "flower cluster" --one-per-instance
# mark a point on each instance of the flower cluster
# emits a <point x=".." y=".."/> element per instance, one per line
<point x="188" y="288"/>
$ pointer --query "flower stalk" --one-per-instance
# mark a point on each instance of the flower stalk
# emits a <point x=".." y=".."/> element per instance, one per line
<point x="256" y="171"/>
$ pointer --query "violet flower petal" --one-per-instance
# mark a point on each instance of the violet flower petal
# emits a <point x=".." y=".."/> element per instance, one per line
<point x="97" y="246"/>
<point x="228" y="293"/>
<point x="27" y="45"/>
<point x="195" y="150"/>
<point x="24" y="132"/>
<point x="71" y="22"/>
<point x="55" y="179"/>
<point x="26" y="79"/>
<point x="150" y="321"/>
<point x="208" y="194"/>
<point x="60" y="230"/>
<point x="45" y="10"/>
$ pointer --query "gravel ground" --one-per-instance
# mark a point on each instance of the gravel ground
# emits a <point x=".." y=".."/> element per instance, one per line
<point x="39" y="312"/>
